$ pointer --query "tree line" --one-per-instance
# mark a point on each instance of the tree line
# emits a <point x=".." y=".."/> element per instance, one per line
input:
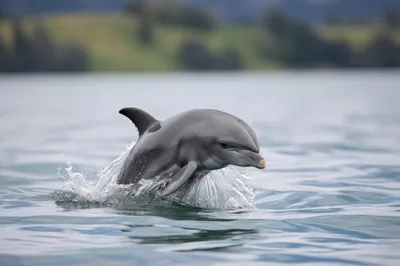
<point x="297" y="45"/>
<point x="193" y="55"/>
<point x="37" y="52"/>
<point x="291" y="43"/>
<point x="284" y="40"/>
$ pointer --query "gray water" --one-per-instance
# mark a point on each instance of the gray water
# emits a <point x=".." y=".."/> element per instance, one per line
<point x="330" y="194"/>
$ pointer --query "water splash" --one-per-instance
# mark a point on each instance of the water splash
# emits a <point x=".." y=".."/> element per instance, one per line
<point x="228" y="188"/>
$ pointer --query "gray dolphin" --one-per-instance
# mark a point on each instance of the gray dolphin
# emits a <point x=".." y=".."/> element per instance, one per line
<point x="187" y="144"/>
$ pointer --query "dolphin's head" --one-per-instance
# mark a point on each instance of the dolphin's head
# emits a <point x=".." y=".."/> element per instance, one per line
<point x="231" y="152"/>
<point x="234" y="143"/>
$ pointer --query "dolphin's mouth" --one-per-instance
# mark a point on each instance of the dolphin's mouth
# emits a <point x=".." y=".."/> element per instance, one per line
<point x="253" y="159"/>
<point x="261" y="164"/>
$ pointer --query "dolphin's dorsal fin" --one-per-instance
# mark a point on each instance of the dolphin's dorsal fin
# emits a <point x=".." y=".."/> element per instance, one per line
<point x="140" y="118"/>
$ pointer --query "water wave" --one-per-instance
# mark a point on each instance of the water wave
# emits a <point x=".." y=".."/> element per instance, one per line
<point x="228" y="188"/>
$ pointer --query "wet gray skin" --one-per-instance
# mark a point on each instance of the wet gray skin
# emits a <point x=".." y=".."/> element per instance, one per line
<point x="186" y="144"/>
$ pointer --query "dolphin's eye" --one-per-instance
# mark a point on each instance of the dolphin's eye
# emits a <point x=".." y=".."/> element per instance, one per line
<point x="223" y="144"/>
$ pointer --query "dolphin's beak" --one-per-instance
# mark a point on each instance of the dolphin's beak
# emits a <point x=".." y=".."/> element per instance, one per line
<point x="261" y="164"/>
<point x="254" y="159"/>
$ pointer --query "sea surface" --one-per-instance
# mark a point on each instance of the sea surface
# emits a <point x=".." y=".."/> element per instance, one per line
<point x="330" y="194"/>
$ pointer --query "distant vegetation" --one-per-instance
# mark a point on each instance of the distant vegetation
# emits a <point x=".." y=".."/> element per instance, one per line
<point x="172" y="13"/>
<point x="297" y="45"/>
<point x="36" y="52"/>
<point x="169" y="37"/>
<point x="192" y="54"/>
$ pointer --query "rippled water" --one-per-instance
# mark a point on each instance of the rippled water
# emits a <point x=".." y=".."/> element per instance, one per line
<point x="330" y="194"/>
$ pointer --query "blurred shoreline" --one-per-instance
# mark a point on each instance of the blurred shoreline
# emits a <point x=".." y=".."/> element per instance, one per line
<point x="173" y="39"/>
<point x="284" y="73"/>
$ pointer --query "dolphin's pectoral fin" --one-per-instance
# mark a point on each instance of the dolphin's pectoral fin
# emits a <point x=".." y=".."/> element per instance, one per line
<point x="180" y="178"/>
<point x="170" y="172"/>
<point x="140" y="118"/>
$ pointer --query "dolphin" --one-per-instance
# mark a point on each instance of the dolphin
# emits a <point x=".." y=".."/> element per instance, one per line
<point x="188" y="144"/>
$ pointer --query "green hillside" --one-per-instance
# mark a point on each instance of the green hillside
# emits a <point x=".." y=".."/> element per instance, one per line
<point x="112" y="44"/>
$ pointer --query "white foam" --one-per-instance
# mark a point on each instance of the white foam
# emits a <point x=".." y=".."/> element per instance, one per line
<point x="228" y="188"/>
